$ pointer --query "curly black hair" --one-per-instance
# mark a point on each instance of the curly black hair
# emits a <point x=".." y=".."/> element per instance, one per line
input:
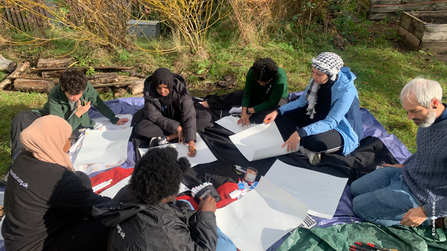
<point x="73" y="81"/>
<point x="158" y="174"/>
<point x="265" y="69"/>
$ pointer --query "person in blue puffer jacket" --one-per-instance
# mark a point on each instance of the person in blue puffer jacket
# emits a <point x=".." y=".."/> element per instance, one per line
<point x="326" y="118"/>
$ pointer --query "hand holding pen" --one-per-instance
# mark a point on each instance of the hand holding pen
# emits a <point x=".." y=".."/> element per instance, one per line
<point x="192" y="151"/>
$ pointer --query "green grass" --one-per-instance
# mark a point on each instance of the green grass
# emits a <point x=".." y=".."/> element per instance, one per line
<point x="381" y="70"/>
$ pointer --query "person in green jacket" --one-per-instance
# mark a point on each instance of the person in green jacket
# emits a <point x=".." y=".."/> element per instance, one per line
<point x="265" y="90"/>
<point x="70" y="100"/>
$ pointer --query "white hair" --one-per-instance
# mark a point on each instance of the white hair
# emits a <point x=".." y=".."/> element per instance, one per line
<point x="425" y="90"/>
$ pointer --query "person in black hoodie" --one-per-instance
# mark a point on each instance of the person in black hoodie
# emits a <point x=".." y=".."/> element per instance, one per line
<point x="144" y="216"/>
<point x="169" y="112"/>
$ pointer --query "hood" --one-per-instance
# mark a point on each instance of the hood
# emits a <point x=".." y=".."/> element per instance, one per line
<point x="179" y="87"/>
<point x="122" y="207"/>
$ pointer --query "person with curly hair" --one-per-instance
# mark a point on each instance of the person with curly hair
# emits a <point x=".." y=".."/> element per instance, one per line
<point x="70" y="100"/>
<point x="169" y="112"/>
<point x="144" y="215"/>
<point x="48" y="205"/>
<point x="326" y="118"/>
<point x="265" y="90"/>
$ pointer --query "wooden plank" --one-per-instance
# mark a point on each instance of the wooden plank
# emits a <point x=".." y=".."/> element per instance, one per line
<point x="435" y="32"/>
<point x="429" y="13"/>
<point x="22" y="17"/>
<point x="19" y="18"/>
<point x="412" y="24"/>
<point x="85" y="68"/>
<point x="438" y="47"/>
<point x="408" y="39"/>
<point x="408" y="7"/>
<point x="403" y="2"/>
<point x="15" y="22"/>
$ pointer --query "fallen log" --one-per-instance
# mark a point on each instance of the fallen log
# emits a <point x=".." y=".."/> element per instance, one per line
<point x="135" y="74"/>
<point x="103" y="89"/>
<point x="52" y="63"/>
<point x="118" y="92"/>
<point x="136" y="88"/>
<point x="51" y="74"/>
<point x="84" y="68"/>
<point x="103" y="78"/>
<point x="16" y="73"/>
<point x="28" y="85"/>
<point x="7" y="65"/>
<point x="119" y="84"/>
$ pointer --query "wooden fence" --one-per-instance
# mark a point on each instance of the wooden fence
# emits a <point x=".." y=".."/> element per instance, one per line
<point x="22" y="19"/>
<point x="27" y="21"/>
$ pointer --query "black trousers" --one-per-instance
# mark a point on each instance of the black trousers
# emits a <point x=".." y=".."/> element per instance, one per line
<point x="81" y="234"/>
<point x="146" y="129"/>
<point x="326" y="142"/>
<point x="234" y="99"/>
<point x="19" y="123"/>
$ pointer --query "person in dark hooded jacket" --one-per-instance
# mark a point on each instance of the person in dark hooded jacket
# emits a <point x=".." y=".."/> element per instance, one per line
<point x="169" y="112"/>
<point x="143" y="215"/>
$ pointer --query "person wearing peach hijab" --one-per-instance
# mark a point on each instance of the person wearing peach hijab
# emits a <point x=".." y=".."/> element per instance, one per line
<point x="47" y="204"/>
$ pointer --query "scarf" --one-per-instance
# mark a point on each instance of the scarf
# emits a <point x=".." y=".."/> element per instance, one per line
<point x="46" y="137"/>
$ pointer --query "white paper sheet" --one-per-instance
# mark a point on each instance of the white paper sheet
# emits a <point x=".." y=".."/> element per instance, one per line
<point x="261" y="217"/>
<point x="260" y="142"/>
<point x="103" y="147"/>
<point x="319" y="191"/>
<point x="204" y="154"/>
<point x="230" y="123"/>
<point x="113" y="190"/>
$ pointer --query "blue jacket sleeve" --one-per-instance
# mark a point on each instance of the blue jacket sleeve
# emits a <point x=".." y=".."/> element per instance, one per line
<point x="294" y="105"/>
<point x="338" y="111"/>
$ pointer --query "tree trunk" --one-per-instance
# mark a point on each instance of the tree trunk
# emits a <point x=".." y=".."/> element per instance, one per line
<point x="52" y="63"/>
<point x="84" y="68"/>
<point x="28" y="85"/>
<point x="6" y="65"/>
<point x="134" y="74"/>
<point x="16" y="73"/>
<point x="120" y="84"/>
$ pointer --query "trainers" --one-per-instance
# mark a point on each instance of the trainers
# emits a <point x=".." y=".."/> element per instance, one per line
<point x="158" y="141"/>
<point x="314" y="157"/>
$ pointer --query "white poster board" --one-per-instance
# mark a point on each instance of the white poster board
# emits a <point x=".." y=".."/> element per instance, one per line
<point x="230" y="123"/>
<point x="113" y="190"/>
<point x="103" y="147"/>
<point x="204" y="154"/>
<point x="261" y="217"/>
<point x="260" y="142"/>
<point x="319" y="191"/>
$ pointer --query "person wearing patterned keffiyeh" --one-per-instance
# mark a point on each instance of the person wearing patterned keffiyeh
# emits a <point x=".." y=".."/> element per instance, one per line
<point x="326" y="118"/>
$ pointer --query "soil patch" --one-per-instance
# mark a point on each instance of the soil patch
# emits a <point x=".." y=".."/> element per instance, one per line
<point x="434" y="20"/>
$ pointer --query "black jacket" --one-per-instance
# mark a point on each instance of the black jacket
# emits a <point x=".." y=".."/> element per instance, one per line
<point x="40" y="199"/>
<point x="180" y="112"/>
<point x="171" y="226"/>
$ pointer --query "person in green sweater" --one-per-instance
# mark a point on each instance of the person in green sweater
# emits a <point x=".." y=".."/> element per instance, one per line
<point x="265" y="90"/>
<point x="70" y="100"/>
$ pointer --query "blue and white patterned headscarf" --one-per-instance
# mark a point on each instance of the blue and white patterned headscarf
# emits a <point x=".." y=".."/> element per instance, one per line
<point x="329" y="63"/>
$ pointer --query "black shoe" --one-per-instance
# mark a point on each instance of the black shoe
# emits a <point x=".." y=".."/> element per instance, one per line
<point x="158" y="141"/>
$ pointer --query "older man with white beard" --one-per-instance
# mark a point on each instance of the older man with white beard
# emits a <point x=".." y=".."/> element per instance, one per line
<point x="415" y="192"/>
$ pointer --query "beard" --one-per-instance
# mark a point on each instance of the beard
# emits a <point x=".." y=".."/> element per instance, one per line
<point x="427" y="121"/>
